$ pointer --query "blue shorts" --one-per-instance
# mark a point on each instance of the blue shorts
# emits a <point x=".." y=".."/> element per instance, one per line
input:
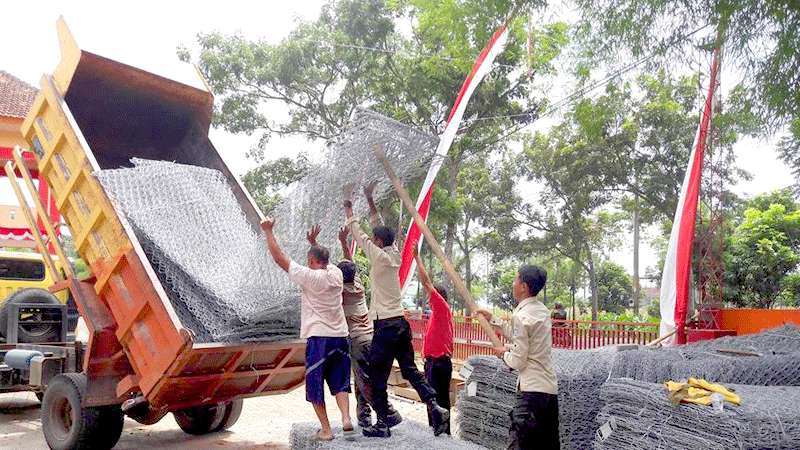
<point x="327" y="360"/>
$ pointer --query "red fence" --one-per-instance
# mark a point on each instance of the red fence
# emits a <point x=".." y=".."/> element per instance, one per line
<point x="470" y="339"/>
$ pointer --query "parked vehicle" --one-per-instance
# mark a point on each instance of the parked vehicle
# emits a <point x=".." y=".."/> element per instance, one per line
<point x="96" y="113"/>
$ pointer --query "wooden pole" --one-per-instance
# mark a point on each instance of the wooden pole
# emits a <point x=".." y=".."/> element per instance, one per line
<point x="41" y="211"/>
<point x="460" y="286"/>
<point x="29" y="217"/>
<point x="670" y="334"/>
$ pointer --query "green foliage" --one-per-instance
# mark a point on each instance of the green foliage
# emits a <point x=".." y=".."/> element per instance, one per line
<point x="614" y="287"/>
<point x="789" y="149"/>
<point x="646" y="26"/>
<point x="500" y="292"/>
<point x="789" y="295"/>
<point x="653" y="310"/>
<point x="81" y="269"/>
<point x="763" y="249"/>
<point x="362" y="263"/>
<point x="265" y="181"/>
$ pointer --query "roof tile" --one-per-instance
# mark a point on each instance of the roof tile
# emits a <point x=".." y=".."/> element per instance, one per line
<point x="16" y="96"/>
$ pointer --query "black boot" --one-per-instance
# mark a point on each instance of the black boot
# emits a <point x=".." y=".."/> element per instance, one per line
<point x="364" y="419"/>
<point x="394" y="418"/>
<point x="440" y="417"/>
<point x="380" y="429"/>
<point x="364" y="415"/>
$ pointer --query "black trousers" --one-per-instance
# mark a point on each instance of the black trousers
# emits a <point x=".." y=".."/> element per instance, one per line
<point x="534" y="422"/>
<point x="392" y="340"/>
<point x="359" y="355"/>
<point x="438" y="372"/>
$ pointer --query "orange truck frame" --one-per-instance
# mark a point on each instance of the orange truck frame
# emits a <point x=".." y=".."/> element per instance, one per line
<point x="96" y="113"/>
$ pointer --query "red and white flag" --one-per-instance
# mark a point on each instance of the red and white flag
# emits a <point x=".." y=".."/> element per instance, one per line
<point x="674" y="297"/>
<point x="482" y="66"/>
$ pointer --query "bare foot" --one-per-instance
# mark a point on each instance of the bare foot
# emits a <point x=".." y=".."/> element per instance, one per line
<point x="323" y="436"/>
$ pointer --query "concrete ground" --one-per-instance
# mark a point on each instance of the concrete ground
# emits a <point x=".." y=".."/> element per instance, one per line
<point x="265" y="424"/>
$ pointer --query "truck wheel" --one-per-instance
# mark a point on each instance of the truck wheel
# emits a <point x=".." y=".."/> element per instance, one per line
<point x="67" y="426"/>
<point x="31" y="333"/>
<point x="233" y="409"/>
<point x="199" y="420"/>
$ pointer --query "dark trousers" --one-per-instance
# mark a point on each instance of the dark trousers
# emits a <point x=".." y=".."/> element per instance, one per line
<point x="359" y="355"/>
<point x="438" y="372"/>
<point x="534" y="422"/>
<point x="392" y="340"/>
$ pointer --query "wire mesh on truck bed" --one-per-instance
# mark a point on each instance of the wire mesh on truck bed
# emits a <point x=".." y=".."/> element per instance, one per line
<point x="219" y="276"/>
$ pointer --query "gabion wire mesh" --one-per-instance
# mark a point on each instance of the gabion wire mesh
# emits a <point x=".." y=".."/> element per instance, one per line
<point x="349" y="160"/>
<point x="409" y="435"/>
<point x="638" y="415"/>
<point x="213" y="262"/>
<point x="485" y="403"/>
<point x="779" y="364"/>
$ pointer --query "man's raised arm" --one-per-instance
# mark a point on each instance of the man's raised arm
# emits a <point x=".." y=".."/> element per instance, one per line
<point x="424" y="278"/>
<point x="345" y="248"/>
<point x="274" y="249"/>
<point x="355" y="229"/>
<point x="374" y="216"/>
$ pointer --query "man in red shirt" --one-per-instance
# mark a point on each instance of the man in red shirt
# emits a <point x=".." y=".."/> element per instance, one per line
<point x="437" y="348"/>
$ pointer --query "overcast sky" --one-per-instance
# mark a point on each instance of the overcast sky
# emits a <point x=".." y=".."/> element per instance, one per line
<point x="151" y="31"/>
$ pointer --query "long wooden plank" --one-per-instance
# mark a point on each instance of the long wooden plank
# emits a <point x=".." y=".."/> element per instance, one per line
<point x="42" y="212"/>
<point x="461" y="287"/>
<point x="37" y="236"/>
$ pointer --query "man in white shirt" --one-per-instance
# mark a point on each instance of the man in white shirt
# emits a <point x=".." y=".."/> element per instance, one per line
<point x="323" y="325"/>
<point x="534" y="419"/>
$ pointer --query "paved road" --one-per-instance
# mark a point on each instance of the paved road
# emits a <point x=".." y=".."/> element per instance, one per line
<point x="265" y="424"/>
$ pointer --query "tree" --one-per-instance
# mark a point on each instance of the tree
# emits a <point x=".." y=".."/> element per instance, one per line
<point x="501" y="280"/>
<point x="789" y="149"/>
<point x="614" y="287"/>
<point x="642" y="27"/>
<point x="577" y="162"/>
<point x="265" y="181"/>
<point x="664" y="119"/>
<point x="758" y="38"/>
<point x="763" y="250"/>
<point x="355" y="55"/>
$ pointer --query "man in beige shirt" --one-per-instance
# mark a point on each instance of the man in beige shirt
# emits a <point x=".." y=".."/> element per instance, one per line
<point x="392" y="337"/>
<point x="534" y="418"/>
<point x="354" y="304"/>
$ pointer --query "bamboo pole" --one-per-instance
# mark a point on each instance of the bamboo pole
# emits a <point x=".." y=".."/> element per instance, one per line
<point x="459" y="284"/>
<point x="670" y="334"/>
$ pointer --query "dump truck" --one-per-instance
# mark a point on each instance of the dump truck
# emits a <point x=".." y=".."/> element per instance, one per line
<point x="94" y="113"/>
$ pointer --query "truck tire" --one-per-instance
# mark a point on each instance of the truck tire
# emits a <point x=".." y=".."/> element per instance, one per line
<point x="233" y="409"/>
<point x="31" y="334"/>
<point x="67" y="426"/>
<point x="199" y="420"/>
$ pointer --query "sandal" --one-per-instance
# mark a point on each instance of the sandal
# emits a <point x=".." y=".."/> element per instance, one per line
<point x="349" y="434"/>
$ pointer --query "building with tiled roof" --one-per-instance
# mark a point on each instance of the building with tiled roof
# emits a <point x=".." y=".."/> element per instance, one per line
<point x="16" y="98"/>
